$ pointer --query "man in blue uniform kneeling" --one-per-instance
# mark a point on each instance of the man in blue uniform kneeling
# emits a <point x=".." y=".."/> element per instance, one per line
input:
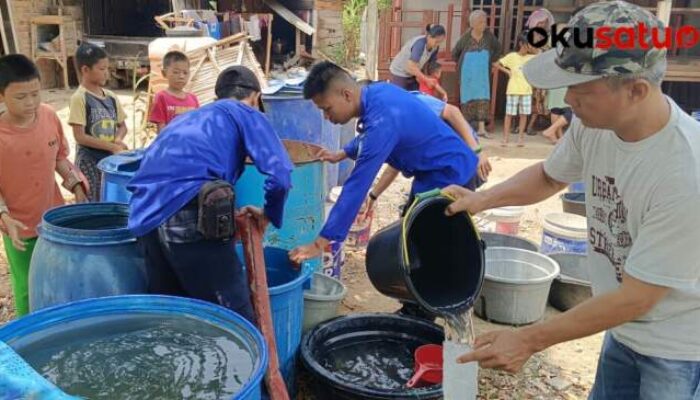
<point x="182" y="206"/>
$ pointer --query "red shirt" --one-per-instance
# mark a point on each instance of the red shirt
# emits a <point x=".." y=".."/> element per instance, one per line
<point x="167" y="106"/>
<point x="427" y="85"/>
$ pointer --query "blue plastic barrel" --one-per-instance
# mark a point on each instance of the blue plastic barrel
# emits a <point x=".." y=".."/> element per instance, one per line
<point x="304" y="209"/>
<point x="117" y="171"/>
<point x="47" y="329"/>
<point x="295" y="118"/>
<point x="85" y="251"/>
<point x="286" y="284"/>
<point x="347" y="134"/>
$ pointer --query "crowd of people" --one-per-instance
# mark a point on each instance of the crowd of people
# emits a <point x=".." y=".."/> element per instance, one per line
<point x="477" y="53"/>
<point x="636" y="150"/>
<point x="97" y="118"/>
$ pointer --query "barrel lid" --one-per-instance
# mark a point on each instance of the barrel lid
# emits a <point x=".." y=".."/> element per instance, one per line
<point x="568" y="221"/>
<point x="123" y="163"/>
<point x="514" y="211"/>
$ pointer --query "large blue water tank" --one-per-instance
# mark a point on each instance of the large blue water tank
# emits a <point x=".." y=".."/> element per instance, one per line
<point x="295" y="118"/>
<point x="304" y="210"/>
<point x="50" y="330"/>
<point x="85" y="251"/>
<point x="286" y="284"/>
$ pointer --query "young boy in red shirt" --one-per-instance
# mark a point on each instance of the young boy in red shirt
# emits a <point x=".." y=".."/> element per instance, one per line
<point x="173" y="101"/>
<point x="32" y="149"/>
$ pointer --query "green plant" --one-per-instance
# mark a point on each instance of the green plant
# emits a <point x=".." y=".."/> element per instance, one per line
<point x="337" y="53"/>
<point x="352" y="23"/>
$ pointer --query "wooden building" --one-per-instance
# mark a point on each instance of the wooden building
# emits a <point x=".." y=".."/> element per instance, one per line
<point x="21" y="25"/>
<point x="324" y="17"/>
<point x="408" y="18"/>
<point x="125" y="27"/>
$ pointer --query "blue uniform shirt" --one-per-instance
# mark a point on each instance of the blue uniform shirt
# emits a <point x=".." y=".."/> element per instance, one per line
<point x="438" y="107"/>
<point x="399" y="129"/>
<point x="207" y="144"/>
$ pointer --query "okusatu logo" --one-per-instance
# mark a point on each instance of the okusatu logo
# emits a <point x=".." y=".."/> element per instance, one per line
<point x="622" y="38"/>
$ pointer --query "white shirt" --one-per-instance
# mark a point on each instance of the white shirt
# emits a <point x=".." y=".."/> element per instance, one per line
<point x="643" y="207"/>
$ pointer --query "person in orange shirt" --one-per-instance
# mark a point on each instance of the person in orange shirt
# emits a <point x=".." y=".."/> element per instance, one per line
<point x="32" y="149"/>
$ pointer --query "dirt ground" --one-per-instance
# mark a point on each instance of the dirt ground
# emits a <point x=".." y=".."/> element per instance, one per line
<point x="565" y="371"/>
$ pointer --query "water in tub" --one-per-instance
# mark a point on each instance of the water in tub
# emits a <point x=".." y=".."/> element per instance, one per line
<point x="145" y="358"/>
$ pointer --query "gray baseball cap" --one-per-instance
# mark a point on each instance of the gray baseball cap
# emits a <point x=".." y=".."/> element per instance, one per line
<point x="571" y="65"/>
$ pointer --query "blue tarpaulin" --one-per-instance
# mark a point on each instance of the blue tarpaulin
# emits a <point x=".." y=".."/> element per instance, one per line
<point x="18" y="380"/>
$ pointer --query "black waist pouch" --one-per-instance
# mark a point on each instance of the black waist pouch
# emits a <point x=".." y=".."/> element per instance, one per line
<point x="216" y="211"/>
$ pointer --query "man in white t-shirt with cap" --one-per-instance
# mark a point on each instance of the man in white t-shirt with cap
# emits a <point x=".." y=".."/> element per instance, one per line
<point x="639" y="156"/>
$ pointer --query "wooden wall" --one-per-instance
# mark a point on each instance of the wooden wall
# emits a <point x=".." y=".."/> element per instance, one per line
<point x="329" y="25"/>
<point x="327" y="20"/>
<point x="22" y="13"/>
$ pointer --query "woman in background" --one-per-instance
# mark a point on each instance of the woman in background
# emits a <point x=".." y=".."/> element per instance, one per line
<point x="544" y="19"/>
<point x="407" y="67"/>
<point x="476" y="51"/>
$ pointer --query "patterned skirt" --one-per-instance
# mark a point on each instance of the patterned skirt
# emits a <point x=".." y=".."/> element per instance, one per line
<point x="476" y="110"/>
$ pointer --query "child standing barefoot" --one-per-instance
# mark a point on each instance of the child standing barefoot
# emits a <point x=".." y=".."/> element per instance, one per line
<point x="519" y="91"/>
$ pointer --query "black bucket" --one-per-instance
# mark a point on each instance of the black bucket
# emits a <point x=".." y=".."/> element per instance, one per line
<point x="574" y="203"/>
<point x="428" y="258"/>
<point x="358" y="334"/>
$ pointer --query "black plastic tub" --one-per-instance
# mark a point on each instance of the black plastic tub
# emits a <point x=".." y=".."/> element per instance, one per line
<point x="574" y="203"/>
<point x="492" y="239"/>
<point x="428" y="258"/>
<point x="365" y="331"/>
<point x="573" y="286"/>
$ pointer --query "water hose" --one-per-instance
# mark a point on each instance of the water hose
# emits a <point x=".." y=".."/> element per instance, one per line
<point x="252" y="240"/>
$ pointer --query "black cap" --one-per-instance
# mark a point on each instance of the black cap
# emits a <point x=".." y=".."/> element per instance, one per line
<point x="236" y="76"/>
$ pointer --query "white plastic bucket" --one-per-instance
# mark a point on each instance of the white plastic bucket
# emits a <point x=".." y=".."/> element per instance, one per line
<point x="322" y="300"/>
<point x="358" y="236"/>
<point x="334" y="253"/>
<point x="564" y="233"/>
<point x="506" y="220"/>
<point x="516" y="285"/>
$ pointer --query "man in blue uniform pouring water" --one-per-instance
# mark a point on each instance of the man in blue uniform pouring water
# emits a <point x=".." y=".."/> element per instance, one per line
<point x="181" y="210"/>
<point x="396" y="128"/>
